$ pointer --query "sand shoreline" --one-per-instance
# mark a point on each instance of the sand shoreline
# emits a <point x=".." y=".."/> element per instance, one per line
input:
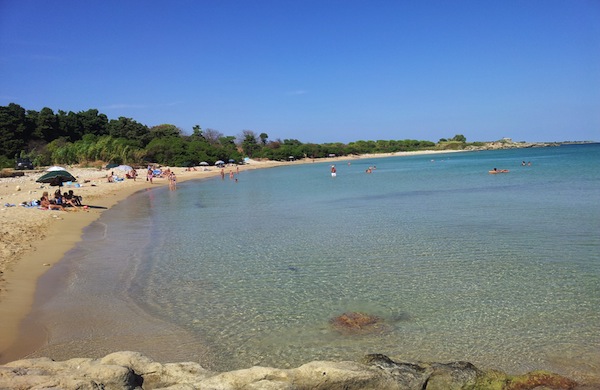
<point x="34" y="240"/>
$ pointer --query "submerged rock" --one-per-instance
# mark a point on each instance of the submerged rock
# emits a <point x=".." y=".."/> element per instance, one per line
<point x="358" y="323"/>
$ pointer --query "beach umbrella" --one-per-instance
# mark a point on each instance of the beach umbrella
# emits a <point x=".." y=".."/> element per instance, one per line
<point x="55" y="168"/>
<point x="109" y="166"/>
<point x="56" y="178"/>
<point x="125" y="168"/>
<point x="204" y="164"/>
<point x="220" y="162"/>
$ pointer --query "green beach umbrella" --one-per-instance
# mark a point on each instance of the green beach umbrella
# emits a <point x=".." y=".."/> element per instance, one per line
<point x="56" y="178"/>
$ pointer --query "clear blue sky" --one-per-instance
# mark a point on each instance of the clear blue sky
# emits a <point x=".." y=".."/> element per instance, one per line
<point x="314" y="70"/>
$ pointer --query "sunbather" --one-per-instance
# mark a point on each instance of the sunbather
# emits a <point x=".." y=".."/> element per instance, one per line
<point x="46" y="204"/>
<point x="76" y="198"/>
<point x="58" y="197"/>
<point x="68" y="201"/>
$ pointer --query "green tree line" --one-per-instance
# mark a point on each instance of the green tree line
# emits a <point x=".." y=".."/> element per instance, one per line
<point x="90" y="138"/>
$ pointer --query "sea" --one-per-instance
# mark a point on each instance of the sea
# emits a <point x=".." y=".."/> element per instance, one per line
<point x="501" y="270"/>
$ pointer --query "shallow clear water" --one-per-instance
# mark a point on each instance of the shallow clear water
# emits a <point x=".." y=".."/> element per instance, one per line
<point x="500" y="270"/>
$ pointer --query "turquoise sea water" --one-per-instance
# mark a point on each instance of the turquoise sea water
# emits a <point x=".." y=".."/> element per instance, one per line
<point x="500" y="270"/>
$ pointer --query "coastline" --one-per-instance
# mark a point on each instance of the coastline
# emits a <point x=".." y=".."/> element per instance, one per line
<point x="35" y="240"/>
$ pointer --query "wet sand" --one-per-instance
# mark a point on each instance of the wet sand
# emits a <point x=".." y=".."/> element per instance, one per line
<point x="33" y="240"/>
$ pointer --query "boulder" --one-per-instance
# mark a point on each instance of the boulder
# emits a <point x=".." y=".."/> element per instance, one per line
<point x="132" y="370"/>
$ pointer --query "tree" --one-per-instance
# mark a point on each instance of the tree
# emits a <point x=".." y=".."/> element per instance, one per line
<point x="312" y="150"/>
<point x="293" y="142"/>
<point x="46" y="125"/>
<point x="68" y="137"/>
<point x="197" y="131"/>
<point x="165" y="131"/>
<point x="227" y="149"/>
<point x="129" y="129"/>
<point x="212" y="136"/>
<point x="362" y="147"/>
<point x="249" y="143"/>
<point x="198" y="150"/>
<point x="168" y="150"/>
<point x="93" y="122"/>
<point x="263" y="138"/>
<point x="14" y="133"/>
<point x="69" y="125"/>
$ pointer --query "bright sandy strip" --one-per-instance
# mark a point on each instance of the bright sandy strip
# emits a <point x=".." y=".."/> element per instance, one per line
<point x="33" y="240"/>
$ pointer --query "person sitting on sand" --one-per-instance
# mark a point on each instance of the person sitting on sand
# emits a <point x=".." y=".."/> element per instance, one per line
<point x="68" y="200"/>
<point x="45" y="203"/>
<point x="58" y="197"/>
<point x="76" y="198"/>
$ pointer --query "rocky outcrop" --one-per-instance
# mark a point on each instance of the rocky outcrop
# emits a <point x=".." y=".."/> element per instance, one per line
<point x="131" y="370"/>
<point x="509" y="144"/>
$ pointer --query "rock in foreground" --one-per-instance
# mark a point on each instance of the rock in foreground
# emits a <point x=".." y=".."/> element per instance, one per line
<point x="131" y="370"/>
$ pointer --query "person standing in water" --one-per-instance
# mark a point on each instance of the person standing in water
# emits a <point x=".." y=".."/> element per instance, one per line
<point x="333" y="171"/>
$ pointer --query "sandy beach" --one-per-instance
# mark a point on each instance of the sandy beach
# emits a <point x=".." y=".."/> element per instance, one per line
<point x="34" y="240"/>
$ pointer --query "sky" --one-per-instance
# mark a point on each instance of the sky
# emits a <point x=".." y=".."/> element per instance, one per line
<point x="314" y="70"/>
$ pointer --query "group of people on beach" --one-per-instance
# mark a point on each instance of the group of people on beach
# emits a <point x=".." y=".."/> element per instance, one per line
<point x="231" y="174"/>
<point x="132" y="174"/>
<point x="170" y="175"/>
<point x="60" y="200"/>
